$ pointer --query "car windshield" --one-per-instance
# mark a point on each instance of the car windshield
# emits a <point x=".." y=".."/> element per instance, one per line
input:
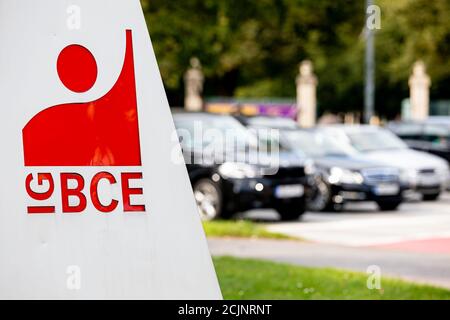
<point x="314" y="144"/>
<point x="269" y="139"/>
<point x="373" y="140"/>
<point x="220" y="133"/>
<point x="406" y="129"/>
<point x="269" y="122"/>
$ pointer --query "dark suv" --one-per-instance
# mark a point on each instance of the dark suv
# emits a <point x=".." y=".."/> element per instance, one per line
<point x="230" y="172"/>
<point x="339" y="174"/>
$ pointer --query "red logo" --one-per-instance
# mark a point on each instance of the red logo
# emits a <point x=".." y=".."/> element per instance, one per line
<point x="104" y="132"/>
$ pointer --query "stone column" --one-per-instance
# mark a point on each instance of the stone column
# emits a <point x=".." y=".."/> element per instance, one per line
<point x="419" y="86"/>
<point x="306" y="95"/>
<point x="193" y="81"/>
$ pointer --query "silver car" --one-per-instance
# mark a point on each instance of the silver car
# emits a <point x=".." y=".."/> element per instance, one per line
<point x="426" y="174"/>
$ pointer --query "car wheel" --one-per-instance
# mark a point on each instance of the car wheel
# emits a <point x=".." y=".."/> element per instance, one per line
<point x="334" y="207"/>
<point x="319" y="197"/>
<point x="388" y="205"/>
<point x="431" y="197"/>
<point x="291" y="211"/>
<point x="209" y="199"/>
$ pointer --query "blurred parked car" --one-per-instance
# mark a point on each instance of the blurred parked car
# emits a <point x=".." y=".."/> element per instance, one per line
<point x="339" y="174"/>
<point x="226" y="180"/>
<point x="425" y="173"/>
<point x="432" y="135"/>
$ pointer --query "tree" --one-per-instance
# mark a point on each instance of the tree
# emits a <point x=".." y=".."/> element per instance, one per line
<point x="412" y="30"/>
<point x="253" y="48"/>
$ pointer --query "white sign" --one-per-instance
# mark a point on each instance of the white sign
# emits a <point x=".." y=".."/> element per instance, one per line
<point x="91" y="204"/>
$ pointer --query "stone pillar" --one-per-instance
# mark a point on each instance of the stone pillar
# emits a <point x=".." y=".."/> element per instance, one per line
<point x="193" y="81"/>
<point x="306" y="95"/>
<point x="419" y="86"/>
<point x="349" y="118"/>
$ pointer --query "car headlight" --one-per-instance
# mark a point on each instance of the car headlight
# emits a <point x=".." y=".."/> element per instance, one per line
<point x="239" y="170"/>
<point x="339" y="175"/>
<point x="310" y="168"/>
<point x="409" y="176"/>
<point x="444" y="175"/>
<point x="443" y="171"/>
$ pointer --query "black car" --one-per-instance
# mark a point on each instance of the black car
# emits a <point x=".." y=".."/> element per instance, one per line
<point x="432" y="135"/>
<point x="340" y="175"/>
<point x="230" y="172"/>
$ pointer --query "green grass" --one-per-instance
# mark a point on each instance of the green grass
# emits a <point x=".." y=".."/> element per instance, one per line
<point x="242" y="279"/>
<point x="239" y="229"/>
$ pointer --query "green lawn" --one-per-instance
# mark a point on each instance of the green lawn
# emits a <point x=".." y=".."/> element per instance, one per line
<point x="239" y="229"/>
<point x="253" y="279"/>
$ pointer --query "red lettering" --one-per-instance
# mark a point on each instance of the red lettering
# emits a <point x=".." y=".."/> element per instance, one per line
<point x="72" y="188"/>
<point x="77" y="192"/>
<point x="94" y="192"/>
<point x="40" y="196"/>
<point x="127" y="191"/>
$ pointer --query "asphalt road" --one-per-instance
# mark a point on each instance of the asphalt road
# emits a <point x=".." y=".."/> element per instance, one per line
<point x="362" y="225"/>
<point x="412" y="243"/>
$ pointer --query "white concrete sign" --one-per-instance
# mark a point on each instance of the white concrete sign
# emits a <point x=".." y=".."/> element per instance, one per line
<point x="91" y="204"/>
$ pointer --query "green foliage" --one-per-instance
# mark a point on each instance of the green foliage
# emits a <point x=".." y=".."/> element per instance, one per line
<point x="413" y="30"/>
<point x="253" y="48"/>
<point x="243" y="279"/>
<point x="239" y="229"/>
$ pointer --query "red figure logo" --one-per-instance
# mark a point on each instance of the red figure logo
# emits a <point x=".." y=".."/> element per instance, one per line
<point x="103" y="133"/>
<point x="99" y="133"/>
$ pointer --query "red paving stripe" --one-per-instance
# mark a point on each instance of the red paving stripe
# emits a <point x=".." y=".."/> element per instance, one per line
<point x="437" y="245"/>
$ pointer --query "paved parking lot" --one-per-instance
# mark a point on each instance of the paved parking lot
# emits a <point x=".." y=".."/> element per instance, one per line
<point x="412" y="243"/>
<point x="362" y="226"/>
